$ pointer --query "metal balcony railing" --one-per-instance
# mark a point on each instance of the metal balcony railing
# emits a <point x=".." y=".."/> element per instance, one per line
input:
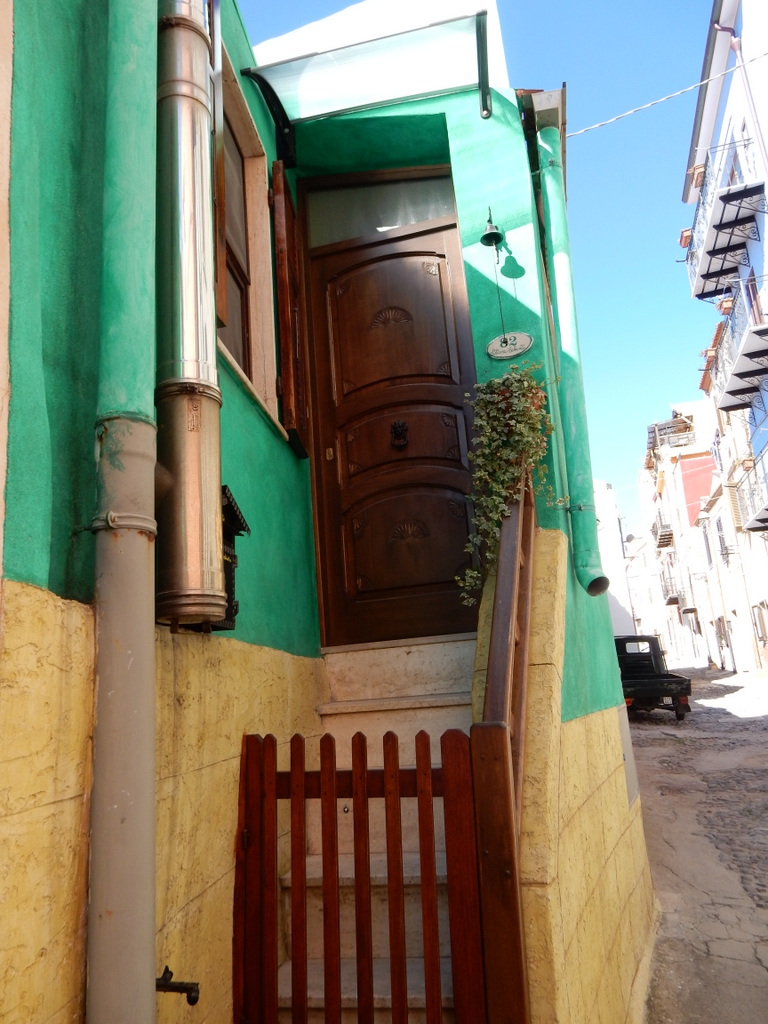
<point x="729" y="165"/>
<point x="686" y="440"/>
<point x="752" y="494"/>
<point x="677" y="433"/>
<point x="662" y="533"/>
<point x="672" y="591"/>
<point x="746" y="321"/>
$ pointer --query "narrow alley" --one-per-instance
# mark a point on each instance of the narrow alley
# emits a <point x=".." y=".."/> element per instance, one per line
<point x="704" y="785"/>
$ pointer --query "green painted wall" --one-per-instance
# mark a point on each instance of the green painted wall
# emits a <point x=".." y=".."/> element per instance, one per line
<point x="57" y="140"/>
<point x="57" y="227"/>
<point x="508" y="295"/>
<point x="490" y="168"/>
<point x="591" y="680"/>
<point x="387" y="139"/>
<point x="275" y="582"/>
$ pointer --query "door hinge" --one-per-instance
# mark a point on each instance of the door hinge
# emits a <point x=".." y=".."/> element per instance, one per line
<point x="271" y="198"/>
<point x="245" y="838"/>
<point x="279" y="387"/>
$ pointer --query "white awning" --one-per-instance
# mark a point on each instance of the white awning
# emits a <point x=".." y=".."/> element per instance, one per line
<point x="445" y="57"/>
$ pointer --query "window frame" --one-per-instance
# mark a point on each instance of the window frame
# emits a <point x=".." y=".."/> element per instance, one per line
<point x="760" y="621"/>
<point x="259" y="363"/>
<point x="707" y="547"/>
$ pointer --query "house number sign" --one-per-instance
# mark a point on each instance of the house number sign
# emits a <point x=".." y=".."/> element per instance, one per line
<point x="509" y="345"/>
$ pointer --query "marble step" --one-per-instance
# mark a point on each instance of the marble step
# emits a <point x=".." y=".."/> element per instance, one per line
<point x="381" y="991"/>
<point x="405" y="716"/>
<point x="401" y="668"/>
<point x="377" y="831"/>
<point x="379" y="905"/>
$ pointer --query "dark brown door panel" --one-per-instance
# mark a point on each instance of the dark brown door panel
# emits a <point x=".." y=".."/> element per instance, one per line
<point x="391" y="363"/>
<point x="399" y="436"/>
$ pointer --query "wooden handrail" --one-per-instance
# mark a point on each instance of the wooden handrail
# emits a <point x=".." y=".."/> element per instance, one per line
<point x="501" y="654"/>
<point x="497" y="762"/>
<point x="508" y="652"/>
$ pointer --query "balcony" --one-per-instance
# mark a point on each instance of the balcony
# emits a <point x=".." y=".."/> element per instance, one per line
<point x="662" y="533"/>
<point x="732" y="193"/>
<point x="672" y="591"/>
<point x="752" y="493"/>
<point x="676" y="433"/>
<point x="741" y="358"/>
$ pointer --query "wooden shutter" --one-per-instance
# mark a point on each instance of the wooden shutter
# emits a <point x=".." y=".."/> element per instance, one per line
<point x="292" y="381"/>
<point x="733" y="496"/>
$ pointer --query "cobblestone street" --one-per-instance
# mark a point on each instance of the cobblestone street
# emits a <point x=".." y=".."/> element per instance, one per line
<point x="704" y="786"/>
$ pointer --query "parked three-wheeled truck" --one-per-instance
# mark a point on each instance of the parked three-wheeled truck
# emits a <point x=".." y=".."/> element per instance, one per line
<point x="645" y="680"/>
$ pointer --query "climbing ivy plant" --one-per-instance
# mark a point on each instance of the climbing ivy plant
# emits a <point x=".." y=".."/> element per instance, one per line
<point x="512" y="428"/>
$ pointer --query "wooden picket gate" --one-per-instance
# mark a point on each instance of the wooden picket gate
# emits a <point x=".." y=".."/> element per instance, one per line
<point x="485" y="931"/>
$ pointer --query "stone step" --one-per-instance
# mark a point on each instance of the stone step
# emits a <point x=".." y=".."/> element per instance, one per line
<point x="381" y="991"/>
<point x="376" y="824"/>
<point x="379" y="905"/>
<point x="401" y="668"/>
<point x="405" y="716"/>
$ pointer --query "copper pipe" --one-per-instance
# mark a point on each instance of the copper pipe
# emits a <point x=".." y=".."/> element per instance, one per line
<point x="190" y="567"/>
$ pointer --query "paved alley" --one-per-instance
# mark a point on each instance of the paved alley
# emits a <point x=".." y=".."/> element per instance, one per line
<point x="704" y="785"/>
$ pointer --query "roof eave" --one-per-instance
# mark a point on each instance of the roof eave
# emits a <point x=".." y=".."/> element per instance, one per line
<point x="718" y="45"/>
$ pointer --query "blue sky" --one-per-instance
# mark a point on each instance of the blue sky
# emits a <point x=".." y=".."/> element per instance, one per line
<point x="641" y="333"/>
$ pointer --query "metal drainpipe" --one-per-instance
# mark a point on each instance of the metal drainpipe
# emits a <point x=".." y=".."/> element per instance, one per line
<point x="578" y="464"/>
<point x="121" y="910"/>
<point x="190" y="566"/>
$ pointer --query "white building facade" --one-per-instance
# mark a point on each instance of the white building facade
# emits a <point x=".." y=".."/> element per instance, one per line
<point x="725" y="549"/>
<point x="726" y="243"/>
<point x="612" y="555"/>
<point x="666" y="566"/>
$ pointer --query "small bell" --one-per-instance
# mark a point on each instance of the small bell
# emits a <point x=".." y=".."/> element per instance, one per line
<point x="491" y="236"/>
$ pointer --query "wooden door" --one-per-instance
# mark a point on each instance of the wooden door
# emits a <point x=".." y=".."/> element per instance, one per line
<point x="392" y="360"/>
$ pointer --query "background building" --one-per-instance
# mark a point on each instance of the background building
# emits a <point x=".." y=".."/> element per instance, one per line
<point x="613" y="555"/>
<point x="726" y="243"/>
<point x="704" y="481"/>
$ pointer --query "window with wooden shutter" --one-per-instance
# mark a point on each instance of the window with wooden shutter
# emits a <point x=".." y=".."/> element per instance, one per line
<point x="760" y="621"/>
<point x="724" y="552"/>
<point x="733" y="500"/>
<point x="244" y="283"/>
<point x="705" y="538"/>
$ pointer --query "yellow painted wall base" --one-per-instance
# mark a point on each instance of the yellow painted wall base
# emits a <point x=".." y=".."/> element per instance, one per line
<point x="589" y="907"/>
<point x="210" y="691"/>
<point x="46" y="714"/>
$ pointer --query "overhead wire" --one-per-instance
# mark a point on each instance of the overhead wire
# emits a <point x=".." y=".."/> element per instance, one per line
<point x="663" y="99"/>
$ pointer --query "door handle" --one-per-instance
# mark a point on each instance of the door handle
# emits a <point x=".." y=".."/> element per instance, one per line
<point x="399" y="434"/>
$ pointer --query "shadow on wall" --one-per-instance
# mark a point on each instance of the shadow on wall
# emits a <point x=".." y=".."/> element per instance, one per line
<point x="517" y="318"/>
<point x="487" y="317"/>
